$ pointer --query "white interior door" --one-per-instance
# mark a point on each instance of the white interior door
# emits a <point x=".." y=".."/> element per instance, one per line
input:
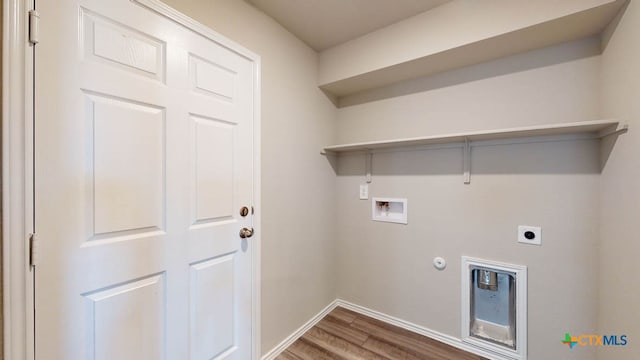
<point x="144" y="157"/>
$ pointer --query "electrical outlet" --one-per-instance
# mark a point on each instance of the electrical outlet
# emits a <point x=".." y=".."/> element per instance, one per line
<point x="364" y="191"/>
<point x="531" y="235"/>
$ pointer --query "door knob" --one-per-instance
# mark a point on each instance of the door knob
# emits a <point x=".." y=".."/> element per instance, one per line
<point x="246" y="233"/>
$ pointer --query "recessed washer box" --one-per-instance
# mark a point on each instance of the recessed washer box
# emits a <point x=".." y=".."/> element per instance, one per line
<point x="392" y="210"/>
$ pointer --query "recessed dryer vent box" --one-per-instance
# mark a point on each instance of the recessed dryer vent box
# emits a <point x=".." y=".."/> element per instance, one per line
<point x="389" y="210"/>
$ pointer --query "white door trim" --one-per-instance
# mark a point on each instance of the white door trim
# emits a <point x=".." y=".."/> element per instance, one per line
<point x="17" y="174"/>
<point x="17" y="180"/>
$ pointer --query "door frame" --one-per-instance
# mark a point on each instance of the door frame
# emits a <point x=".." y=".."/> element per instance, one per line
<point x="18" y="163"/>
<point x="17" y="180"/>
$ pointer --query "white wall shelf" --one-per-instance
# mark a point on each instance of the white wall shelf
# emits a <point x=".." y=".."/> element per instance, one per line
<point x="577" y="20"/>
<point x="596" y="129"/>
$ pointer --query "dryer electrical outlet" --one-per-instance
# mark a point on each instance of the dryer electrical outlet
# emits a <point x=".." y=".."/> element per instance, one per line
<point x="531" y="235"/>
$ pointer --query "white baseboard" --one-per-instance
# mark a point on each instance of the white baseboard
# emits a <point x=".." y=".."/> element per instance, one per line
<point x="435" y="335"/>
<point x="278" y="349"/>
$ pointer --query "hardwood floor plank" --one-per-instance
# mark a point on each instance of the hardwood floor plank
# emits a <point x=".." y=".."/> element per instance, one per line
<point x="342" y="330"/>
<point x="390" y="327"/>
<point x="347" y="335"/>
<point x="307" y="351"/>
<point x="416" y="344"/>
<point x="343" y="314"/>
<point x="385" y="349"/>
<point x="287" y="355"/>
<point x="338" y="346"/>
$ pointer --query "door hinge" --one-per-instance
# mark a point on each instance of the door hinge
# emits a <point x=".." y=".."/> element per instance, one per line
<point x="34" y="20"/>
<point x="33" y="249"/>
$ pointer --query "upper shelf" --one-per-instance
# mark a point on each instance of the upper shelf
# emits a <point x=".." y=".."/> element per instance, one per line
<point x="435" y="41"/>
<point x="597" y="129"/>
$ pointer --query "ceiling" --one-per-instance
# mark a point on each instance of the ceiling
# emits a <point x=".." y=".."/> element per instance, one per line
<point x="326" y="23"/>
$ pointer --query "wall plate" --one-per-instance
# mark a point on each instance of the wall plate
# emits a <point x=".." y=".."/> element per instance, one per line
<point x="364" y="191"/>
<point x="531" y="235"/>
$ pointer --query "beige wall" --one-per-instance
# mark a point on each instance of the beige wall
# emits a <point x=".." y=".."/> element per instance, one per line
<point x="298" y="268"/>
<point x="555" y="84"/>
<point x="619" y="299"/>
<point x="387" y="267"/>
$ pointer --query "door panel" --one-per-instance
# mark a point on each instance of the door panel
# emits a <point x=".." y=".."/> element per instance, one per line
<point x="112" y="43"/>
<point x="144" y="155"/>
<point x="212" y="79"/>
<point x="212" y="315"/>
<point x="110" y="312"/>
<point x="214" y="173"/>
<point x="126" y="147"/>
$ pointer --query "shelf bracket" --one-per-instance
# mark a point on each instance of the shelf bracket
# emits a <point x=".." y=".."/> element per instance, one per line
<point x="367" y="165"/>
<point x="623" y="128"/>
<point x="466" y="161"/>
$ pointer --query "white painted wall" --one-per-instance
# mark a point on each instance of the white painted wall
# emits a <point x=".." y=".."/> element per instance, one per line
<point x="387" y="267"/>
<point x="620" y="191"/>
<point x="298" y="269"/>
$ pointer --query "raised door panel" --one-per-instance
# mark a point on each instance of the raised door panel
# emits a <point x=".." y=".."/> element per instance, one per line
<point x="109" y="42"/>
<point x="214" y="142"/>
<point x="127" y="321"/>
<point x="126" y="167"/>
<point x="212" y="79"/>
<point x="213" y="331"/>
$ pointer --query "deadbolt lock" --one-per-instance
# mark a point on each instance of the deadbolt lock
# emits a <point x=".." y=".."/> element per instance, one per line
<point x="244" y="211"/>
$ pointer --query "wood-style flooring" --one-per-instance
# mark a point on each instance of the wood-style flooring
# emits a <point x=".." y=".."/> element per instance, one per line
<point x="346" y="335"/>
